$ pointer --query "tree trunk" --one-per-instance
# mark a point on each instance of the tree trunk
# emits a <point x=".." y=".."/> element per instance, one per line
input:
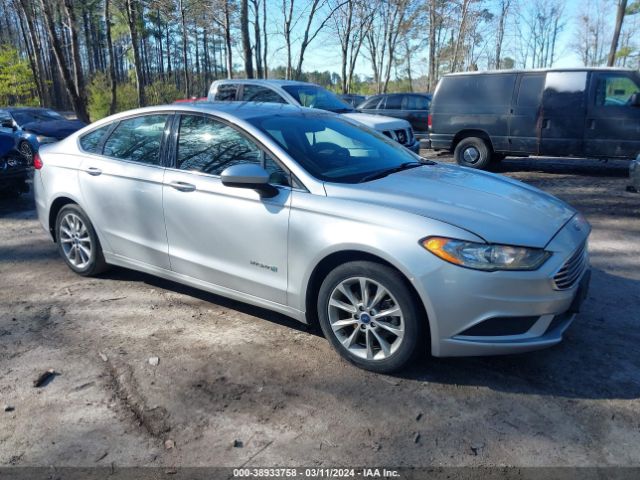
<point x="185" y="66"/>
<point x="78" y="101"/>
<point x="504" y="7"/>
<point x="433" y="18"/>
<point x="246" y="40"/>
<point x="227" y="39"/>
<point x="622" y="7"/>
<point x="112" y="58"/>
<point x="132" y="18"/>
<point x="264" y="39"/>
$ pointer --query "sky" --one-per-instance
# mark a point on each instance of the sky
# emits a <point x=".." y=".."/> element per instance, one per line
<point x="323" y="54"/>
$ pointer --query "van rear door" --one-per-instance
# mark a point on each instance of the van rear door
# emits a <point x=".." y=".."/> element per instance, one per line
<point x="612" y="124"/>
<point x="563" y="113"/>
<point x="524" y="125"/>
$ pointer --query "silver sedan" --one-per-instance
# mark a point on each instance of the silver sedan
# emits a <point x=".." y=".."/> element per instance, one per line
<point x="306" y="214"/>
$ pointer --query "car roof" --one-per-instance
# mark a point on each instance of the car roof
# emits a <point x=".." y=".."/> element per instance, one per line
<point x="27" y="109"/>
<point x="541" y="70"/>
<point x="262" y="81"/>
<point x="241" y="110"/>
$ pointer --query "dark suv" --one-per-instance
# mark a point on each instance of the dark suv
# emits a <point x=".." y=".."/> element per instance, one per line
<point x="412" y="107"/>
<point x="587" y="112"/>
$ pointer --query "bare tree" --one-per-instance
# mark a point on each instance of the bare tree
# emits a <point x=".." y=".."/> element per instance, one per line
<point x="246" y="40"/>
<point x="75" y="90"/>
<point x="502" y="17"/>
<point x="112" y="57"/>
<point x="132" y="22"/>
<point x="622" y="7"/>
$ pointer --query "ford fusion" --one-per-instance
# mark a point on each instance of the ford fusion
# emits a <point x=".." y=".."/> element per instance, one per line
<point x="304" y="213"/>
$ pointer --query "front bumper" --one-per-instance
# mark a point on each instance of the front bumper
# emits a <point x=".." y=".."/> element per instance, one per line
<point x="491" y="313"/>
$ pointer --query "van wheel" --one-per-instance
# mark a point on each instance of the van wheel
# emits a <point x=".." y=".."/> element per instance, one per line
<point x="370" y="316"/>
<point x="78" y="243"/>
<point x="473" y="152"/>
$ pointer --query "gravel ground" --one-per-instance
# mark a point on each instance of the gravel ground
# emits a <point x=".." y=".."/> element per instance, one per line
<point x="229" y="372"/>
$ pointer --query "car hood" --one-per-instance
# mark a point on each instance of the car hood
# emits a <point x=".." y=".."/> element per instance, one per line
<point x="378" y="122"/>
<point x="498" y="209"/>
<point x="55" y="128"/>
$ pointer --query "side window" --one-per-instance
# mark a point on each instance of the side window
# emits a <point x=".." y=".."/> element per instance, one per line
<point x="227" y="92"/>
<point x="415" y="102"/>
<point x="564" y="91"/>
<point x="92" y="141"/>
<point x="256" y="93"/>
<point x="208" y="146"/>
<point x="394" y="102"/>
<point x="614" y="90"/>
<point x="370" y="103"/>
<point x="137" y="139"/>
<point x="530" y="91"/>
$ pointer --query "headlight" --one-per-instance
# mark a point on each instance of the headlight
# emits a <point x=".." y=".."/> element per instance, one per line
<point x="42" y="139"/>
<point x="485" y="256"/>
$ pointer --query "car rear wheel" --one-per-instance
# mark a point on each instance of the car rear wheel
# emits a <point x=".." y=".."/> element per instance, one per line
<point x="26" y="150"/>
<point x="78" y="243"/>
<point x="473" y="152"/>
<point x="369" y="315"/>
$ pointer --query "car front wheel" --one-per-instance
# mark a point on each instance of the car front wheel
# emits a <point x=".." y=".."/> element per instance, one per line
<point x="369" y="314"/>
<point x="78" y="243"/>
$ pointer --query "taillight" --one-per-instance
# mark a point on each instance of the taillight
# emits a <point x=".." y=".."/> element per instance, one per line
<point x="37" y="161"/>
<point x="429" y="121"/>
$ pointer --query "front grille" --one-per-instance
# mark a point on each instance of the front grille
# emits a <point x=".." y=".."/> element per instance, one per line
<point x="572" y="269"/>
<point x="401" y="136"/>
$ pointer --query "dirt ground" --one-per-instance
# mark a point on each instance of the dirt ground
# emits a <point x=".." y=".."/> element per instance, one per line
<point x="229" y="372"/>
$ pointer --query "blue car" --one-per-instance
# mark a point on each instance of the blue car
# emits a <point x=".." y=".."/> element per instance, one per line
<point x="29" y="127"/>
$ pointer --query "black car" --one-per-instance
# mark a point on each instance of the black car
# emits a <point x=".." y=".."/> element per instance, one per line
<point x="590" y="112"/>
<point x="413" y="107"/>
<point x="353" y="99"/>
<point x="13" y="169"/>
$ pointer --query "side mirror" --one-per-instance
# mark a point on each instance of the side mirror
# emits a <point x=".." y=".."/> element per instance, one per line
<point x="634" y="101"/>
<point x="249" y="175"/>
<point x="8" y="124"/>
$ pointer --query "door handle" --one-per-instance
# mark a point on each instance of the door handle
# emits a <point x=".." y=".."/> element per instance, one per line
<point x="182" y="186"/>
<point x="94" y="171"/>
<point x="592" y="124"/>
<point x="546" y="123"/>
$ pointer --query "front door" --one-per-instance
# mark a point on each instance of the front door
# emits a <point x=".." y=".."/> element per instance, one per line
<point x="612" y="123"/>
<point x="226" y="236"/>
<point x="122" y="190"/>
<point x="563" y="111"/>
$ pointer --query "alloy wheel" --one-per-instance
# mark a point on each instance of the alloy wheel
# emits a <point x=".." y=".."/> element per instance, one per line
<point x="75" y="240"/>
<point x="366" y="318"/>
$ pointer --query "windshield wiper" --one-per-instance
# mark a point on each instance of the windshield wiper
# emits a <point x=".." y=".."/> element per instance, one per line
<point x="389" y="171"/>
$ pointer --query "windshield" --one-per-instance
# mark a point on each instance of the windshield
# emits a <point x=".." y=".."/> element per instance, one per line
<point x="313" y="96"/>
<point x="333" y="149"/>
<point x="22" y="117"/>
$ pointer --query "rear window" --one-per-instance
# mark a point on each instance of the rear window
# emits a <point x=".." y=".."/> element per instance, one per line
<point x="393" y="102"/>
<point x="256" y="93"/>
<point x="476" y="90"/>
<point x="92" y="141"/>
<point x="226" y="92"/>
<point x="415" y="102"/>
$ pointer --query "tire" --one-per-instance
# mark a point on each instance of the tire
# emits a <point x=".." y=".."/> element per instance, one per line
<point x="87" y="258"/>
<point x="360" y="341"/>
<point x="472" y="152"/>
<point x="26" y="150"/>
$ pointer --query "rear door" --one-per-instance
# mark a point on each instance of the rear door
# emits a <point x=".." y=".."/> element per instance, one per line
<point x="612" y="124"/>
<point x="122" y="188"/>
<point x="7" y="134"/>
<point x="416" y="112"/>
<point x="563" y="114"/>
<point x="525" y="121"/>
